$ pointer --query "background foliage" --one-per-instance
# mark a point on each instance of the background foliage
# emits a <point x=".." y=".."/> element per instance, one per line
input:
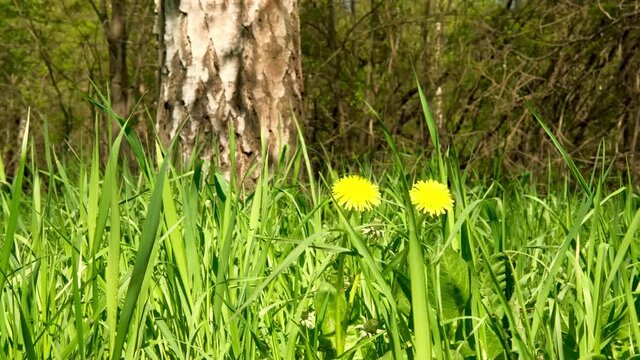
<point x="576" y="62"/>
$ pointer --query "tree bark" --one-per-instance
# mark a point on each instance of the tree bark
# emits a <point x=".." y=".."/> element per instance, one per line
<point x="114" y="25"/>
<point x="116" y="31"/>
<point x="229" y="63"/>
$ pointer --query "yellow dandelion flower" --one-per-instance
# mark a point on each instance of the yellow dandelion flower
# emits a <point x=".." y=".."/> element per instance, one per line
<point x="431" y="197"/>
<point x="356" y="192"/>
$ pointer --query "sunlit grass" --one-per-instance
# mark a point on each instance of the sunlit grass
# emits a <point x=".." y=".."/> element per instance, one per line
<point x="172" y="262"/>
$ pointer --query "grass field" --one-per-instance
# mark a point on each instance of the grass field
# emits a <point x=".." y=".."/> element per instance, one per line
<point x="164" y="263"/>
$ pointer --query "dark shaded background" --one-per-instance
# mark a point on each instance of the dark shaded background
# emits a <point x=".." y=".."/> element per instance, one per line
<point x="576" y="62"/>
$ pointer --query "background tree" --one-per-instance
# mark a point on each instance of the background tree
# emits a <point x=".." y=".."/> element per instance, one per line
<point x="50" y="53"/>
<point x="115" y="27"/>
<point x="229" y="64"/>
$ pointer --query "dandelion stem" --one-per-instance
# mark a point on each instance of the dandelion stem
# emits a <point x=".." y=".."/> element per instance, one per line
<point x="419" y="286"/>
<point x="421" y="325"/>
<point x="338" y="303"/>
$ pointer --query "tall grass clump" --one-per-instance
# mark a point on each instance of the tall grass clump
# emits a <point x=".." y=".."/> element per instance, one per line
<point x="422" y="261"/>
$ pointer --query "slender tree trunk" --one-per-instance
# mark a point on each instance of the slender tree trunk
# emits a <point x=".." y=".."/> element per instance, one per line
<point x="229" y="63"/>
<point x="633" y="147"/>
<point x="436" y="61"/>
<point x="114" y="25"/>
<point x="422" y="135"/>
<point x="332" y="43"/>
<point x="116" y="31"/>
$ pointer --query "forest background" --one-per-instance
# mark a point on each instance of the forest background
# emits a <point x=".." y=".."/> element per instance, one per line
<point x="576" y="62"/>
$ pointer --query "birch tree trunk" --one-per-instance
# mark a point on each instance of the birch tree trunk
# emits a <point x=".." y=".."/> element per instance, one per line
<point x="229" y="62"/>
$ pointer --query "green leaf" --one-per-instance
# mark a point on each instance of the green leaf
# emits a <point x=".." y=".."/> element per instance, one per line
<point x="325" y="304"/>
<point x="498" y="265"/>
<point x="454" y="283"/>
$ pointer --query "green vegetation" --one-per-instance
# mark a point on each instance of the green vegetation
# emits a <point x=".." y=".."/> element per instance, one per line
<point x="175" y="262"/>
<point x="477" y="60"/>
<point x="110" y="248"/>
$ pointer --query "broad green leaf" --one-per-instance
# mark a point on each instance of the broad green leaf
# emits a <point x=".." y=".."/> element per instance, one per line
<point x="454" y="283"/>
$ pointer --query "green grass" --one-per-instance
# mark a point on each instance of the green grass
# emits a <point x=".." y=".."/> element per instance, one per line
<point x="166" y="263"/>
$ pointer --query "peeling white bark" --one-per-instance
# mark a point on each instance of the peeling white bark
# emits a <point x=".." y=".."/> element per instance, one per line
<point x="229" y="62"/>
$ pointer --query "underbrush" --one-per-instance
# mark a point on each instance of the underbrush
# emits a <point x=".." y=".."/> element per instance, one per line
<point x="168" y="263"/>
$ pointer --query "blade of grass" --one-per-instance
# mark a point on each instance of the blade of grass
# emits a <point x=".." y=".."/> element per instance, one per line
<point x="77" y="298"/>
<point x="417" y="269"/>
<point x="622" y="251"/>
<point x="14" y="212"/>
<point x="113" y="257"/>
<point x="143" y="258"/>
<point x="225" y="235"/>
<point x="433" y="132"/>
<point x="565" y="155"/>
